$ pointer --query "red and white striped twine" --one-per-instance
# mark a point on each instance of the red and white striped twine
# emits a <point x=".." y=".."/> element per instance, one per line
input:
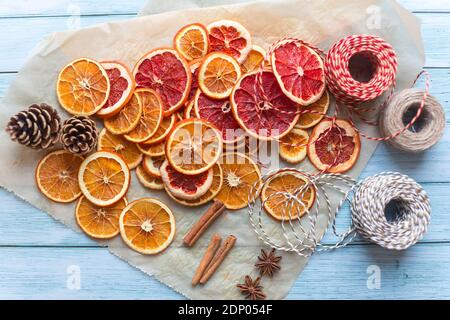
<point x="337" y="72"/>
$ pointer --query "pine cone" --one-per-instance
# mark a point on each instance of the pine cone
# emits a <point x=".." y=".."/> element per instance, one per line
<point x="37" y="127"/>
<point x="79" y="135"/>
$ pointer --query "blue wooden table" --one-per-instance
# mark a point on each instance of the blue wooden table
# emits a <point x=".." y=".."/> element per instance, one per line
<point x="41" y="258"/>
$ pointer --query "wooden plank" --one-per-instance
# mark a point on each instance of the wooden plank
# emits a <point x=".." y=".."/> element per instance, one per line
<point x="436" y="33"/>
<point x="11" y="8"/>
<point x="43" y="273"/>
<point x="19" y="223"/>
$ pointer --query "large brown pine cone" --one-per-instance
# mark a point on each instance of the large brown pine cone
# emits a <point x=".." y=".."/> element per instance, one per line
<point x="79" y="135"/>
<point x="37" y="127"/>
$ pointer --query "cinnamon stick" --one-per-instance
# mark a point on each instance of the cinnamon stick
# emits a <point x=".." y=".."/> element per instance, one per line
<point x="207" y="257"/>
<point x="203" y="223"/>
<point x="218" y="258"/>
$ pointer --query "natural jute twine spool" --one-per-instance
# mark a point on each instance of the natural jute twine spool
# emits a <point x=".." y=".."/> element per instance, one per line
<point x="427" y="129"/>
<point x="369" y="204"/>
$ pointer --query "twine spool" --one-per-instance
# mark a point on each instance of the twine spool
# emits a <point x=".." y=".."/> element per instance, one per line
<point x="426" y="131"/>
<point x="360" y="68"/>
<point x="375" y="194"/>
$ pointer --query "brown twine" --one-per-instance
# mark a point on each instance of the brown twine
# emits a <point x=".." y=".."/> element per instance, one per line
<point x="427" y="129"/>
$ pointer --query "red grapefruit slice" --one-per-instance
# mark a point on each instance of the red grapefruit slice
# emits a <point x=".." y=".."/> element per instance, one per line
<point x="183" y="186"/>
<point x="166" y="72"/>
<point x="299" y="71"/>
<point x="152" y="165"/>
<point x="195" y="68"/>
<point x="122" y="87"/>
<point x="219" y="113"/>
<point x="261" y="108"/>
<point x="230" y="37"/>
<point x="334" y="146"/>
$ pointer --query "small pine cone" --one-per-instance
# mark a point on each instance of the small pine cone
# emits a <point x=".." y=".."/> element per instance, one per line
<point x="79" y="135"/>
<point x="37" y="127"/>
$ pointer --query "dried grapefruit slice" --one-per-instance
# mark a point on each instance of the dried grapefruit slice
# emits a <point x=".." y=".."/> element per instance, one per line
<point x="118" y="144"/>
<point x="147" y="180"/>
<point x="99" y="222"/>
<point x="299" y="71"/>
<point x="127" y="119"/>
<point x="261" y="108"/>
<point x="152" y="150"/>
<point x="166" y="72"/>
<point x="278" y="204"/>
<point x="316" y="112"/>
<point x="195" y="69"/>
<point x="293" y="146"/>
<point x="334" y="146"/>
<point x="254" y="60"/>
<point x="193" y="146"/>
<point x="183" y="186"/>
<point x="191" y="41"/>
<point x="151" y="117"/>
<point x="230" y="37"/>
<point x="147" y="226"/>
<point x="104" y="178"/>
<point x="212" y="192"/>
<point x="122" y="87"/>
<point x="219" y="113"/>
<point x="218" y="74"/>
<point x="240" y="174"/>
<point x="57" y="176"/>
<point x="152" y="165"/>
<point x="83" y="87"/>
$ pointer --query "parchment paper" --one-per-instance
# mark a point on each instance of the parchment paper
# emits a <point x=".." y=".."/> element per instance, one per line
<point x="321" y="22"/>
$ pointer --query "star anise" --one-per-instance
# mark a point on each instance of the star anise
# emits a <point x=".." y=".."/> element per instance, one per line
<point x="268" y="264"/>
<point x="252" y="289"/>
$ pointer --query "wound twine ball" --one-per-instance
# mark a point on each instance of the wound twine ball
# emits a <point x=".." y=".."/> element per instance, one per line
<point x="426" y="130"/>
<point x="367" y="53"/>
<point x="370" y="201"/>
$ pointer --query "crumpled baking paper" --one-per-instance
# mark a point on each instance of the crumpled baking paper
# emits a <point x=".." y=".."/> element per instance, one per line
<point x="321" y="22"/>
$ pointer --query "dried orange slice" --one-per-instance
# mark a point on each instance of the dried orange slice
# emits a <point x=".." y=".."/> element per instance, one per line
<point x="189" y="110"/>
<point x="240" y="173"/>
<point x="122" y="87"/>
<point x="193" y="146"/>
<point x="118" y="144"/>
<point x="254" y="59"/>
<point x="168" y="73"/>
<point x="127" y="119"/>
<point x="299" y="71"/>
<point x="104" y="178"/>
<point x="229" y="37"/>
<point x="278" y="205"/>
<point x="152" y="150"/>
<point x="334" y="146"/>
<point x="163" y="130"/>
<point x="261" y="108"/>
<point x="147" y="226"/>
<point x="191" y="41"/>
<point x="152" y="165"/>
<point x="83" y="87"/>
<point x="99" y="222"/>
<point x="212" y="192"/>
<point x="318" y="110"/>
<point x="218" y="74"/>
<point x="147" y="180"/>
<point x="151" y="117"/>
<point x="57" y="176"/>
<point x="293" y="146"/>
